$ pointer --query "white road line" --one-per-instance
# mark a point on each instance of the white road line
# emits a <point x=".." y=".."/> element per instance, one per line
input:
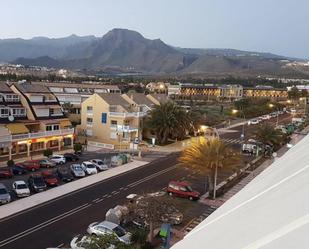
<point x="114" y="192"/>
<point x="105" y="195"/>
<point x="121" y="188"/>
<point x="42" y="225"/>
<point x="96" y="199"/>
<point x="108" y="196"/>
<point x="60" y="245"/>
<point x="151" y="176"/>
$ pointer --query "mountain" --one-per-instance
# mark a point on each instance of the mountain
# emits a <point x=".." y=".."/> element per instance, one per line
<point x="125" y="50"/>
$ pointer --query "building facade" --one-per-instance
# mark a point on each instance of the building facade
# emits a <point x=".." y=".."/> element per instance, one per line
<point x="34" y="122"/>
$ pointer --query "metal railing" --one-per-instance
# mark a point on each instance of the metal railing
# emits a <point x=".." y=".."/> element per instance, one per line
<point x="5" y="138"/>
<point x="128" y="114"/>
<point x="42" y="134"/>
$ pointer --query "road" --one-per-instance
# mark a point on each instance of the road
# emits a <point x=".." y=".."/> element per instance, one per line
<point x="58" y="221"/>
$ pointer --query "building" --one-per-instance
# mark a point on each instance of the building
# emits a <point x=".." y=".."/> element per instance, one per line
<point x="74" y="94"/>
<point x="270" y="212"/>
<point x="115" y="120"/>
<point x="32" y="119"/>
<point x="224" y="92"/>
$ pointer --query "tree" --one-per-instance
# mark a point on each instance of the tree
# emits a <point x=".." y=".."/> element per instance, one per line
<point x="168" y="120"/>
<point x="68" y="107"/>
<point x="294" y="93"/>
<point x="78" y="148"/>
<point x="267" y="134"/>
<point x="107" y="241"/>
<point x="48" y="152"/>
<point x="209" y="156"/>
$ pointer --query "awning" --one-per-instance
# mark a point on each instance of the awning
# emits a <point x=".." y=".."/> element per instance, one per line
<point x="65" y="123"/>
<point x="17" y="129"/>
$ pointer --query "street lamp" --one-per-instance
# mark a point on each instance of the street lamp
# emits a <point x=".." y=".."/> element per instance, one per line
<point x="271" y="106"/>
<point x="234" y="111"/>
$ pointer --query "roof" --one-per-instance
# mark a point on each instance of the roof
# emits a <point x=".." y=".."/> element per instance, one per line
<point x="140" y="99"/>
<point x="162" y="98"/>
<point x="92" y="85"/>
<point x="108" y="224"/>
<point x="27" y="87"/>
<point x="271" y="212"/>
<point x="19" y="182"/>
<point x="114" y="99"/>
<point x="4" y="88"/>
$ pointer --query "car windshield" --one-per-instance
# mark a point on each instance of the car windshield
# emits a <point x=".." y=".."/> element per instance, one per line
<point x="77" y="168"/>
<point x="3" y="191"/>
<point x="90" y="166"/>
<point x="189" y="189"/>
<point x="38" y="181"/>
<point x="21" y="186"/>
<point x="99" y="162"/>
<point x="119" y="231"/>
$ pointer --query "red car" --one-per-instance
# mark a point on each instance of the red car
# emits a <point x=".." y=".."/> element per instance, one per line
<point x="6" y="173"/>
<point x="182" y="189"/>
<point x="50" y="178"/>
<point x="30" y="165"/>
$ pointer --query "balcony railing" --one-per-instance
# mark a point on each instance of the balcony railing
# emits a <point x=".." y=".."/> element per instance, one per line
<point x="43" y="134"/>
<point x="126" y="128"/>
<point x="127" y="114"/>
<point x="5" y="138"/>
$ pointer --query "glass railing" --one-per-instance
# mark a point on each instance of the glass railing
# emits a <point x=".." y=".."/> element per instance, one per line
<point x="42" y="134"/>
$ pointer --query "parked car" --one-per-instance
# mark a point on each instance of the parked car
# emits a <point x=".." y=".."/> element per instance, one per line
<point x="50" y="178"/>
<point x="89" y="168"/>
<point x="182" y="189"/>
<point x="106" y="227"/>
<point x="37" y="183"/>
<point x="21" y="189"/>
<point x="265" y="117"/>
<point x="58" y="159"/>
<point x="30" y="165"/>
<point x="5" y="196"/>
<point x="64" y="175"/>
<point x="46" y="163"/>
<point x="273" y="114"/>
<point x="71" y="157"/>
<point x="18" y="170"/>
<point x="77" y="170"/>
<point x="6" y="173"/>
<point x="100" y="164"/>
<point x="253" y="122"/>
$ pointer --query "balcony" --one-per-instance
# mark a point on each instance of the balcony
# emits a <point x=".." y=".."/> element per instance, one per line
<point x="42" y="134"/>
<point x="127" y="114"/>
<point x="124" y="128"/>
<point x="6" y="139"/>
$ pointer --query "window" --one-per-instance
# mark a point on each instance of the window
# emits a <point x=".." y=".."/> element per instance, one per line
<point x="113" y="122"/>
<point x="89" y="121"/>
<point x="54" y="127"/>
<point x="4" y="112"/>
<point x="89" y="109"/>
<point x="89" y="132"/>
<point x="11" y="98"/>
<point x="113" y="135"/>
<point x="18" y="112"/>
<point x="51" y="111"/>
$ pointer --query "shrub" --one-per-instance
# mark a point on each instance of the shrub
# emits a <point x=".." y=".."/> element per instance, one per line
<point x="10" y="163"/>
<point x="48" y="152"/>
<point x="77" y="147"/>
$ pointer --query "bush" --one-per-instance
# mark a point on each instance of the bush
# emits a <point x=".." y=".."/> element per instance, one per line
<point x="48" y="152"/>
<point x="78" y="147"/>
<point x="139" y="236"/>
<point x="10" y="163"/>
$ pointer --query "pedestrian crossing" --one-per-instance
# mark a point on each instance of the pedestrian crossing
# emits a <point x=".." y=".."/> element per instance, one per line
<point x="232" y="140"/>
<point x="199" y="219"/>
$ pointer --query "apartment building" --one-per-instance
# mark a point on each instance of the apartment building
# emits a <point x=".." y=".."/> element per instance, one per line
<point x="225" y="92"/>
<point x="31" y="120"/>
<point x="114" y="120"/>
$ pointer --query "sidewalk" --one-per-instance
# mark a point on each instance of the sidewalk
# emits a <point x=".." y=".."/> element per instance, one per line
<point x="46" y="196"/>
<point x="235" y="189"/>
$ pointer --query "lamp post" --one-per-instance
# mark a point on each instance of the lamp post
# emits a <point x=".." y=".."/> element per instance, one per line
<point x="234" y="111"/>
<point x="271" y="106"/>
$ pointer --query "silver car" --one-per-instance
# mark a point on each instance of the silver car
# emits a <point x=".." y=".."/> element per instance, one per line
<point x="100" y="164"/>
<point x="106" y="227"/>
<point x="77" y="170"/>
<point x="5" y="196"/>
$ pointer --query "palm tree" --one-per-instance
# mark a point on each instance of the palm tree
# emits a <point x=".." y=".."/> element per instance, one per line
<point x="267" y="134"/>
<point x="209" y="156"/>
<point x="168" y="120"/>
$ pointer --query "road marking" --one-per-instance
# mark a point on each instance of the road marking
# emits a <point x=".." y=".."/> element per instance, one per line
<point x="96" y="199"/>
<point x="105" y="195"/>
<point x="122" y="188"/>
<point x="42" y="225"/>
<point x="60" y="245"/>
<point x="114" y="192"/>
<point x="125" y="188"/>
<point x="151" y="176"/>
<point x="108" y="196"/>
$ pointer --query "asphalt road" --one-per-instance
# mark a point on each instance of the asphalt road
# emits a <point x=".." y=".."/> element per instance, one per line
<point x="58" y="221"/>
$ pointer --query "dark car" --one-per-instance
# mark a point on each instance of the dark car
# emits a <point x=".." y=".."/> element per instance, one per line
<point x="64" y="175"/>
<point x="18" y="170"/>
<point x="37" y="183"/>
<point x="50" y="178"/>
<point x="182" y="189"/>
<point x="30" y="165"/>
<point x="6" y="173"/>
<point x="71" y="157"/>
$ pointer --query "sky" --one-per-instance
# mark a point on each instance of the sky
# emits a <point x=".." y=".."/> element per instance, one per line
<point x="277" y="26"/>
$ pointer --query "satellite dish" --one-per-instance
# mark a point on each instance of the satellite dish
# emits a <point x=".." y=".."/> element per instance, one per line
<point x="11" y="118"/>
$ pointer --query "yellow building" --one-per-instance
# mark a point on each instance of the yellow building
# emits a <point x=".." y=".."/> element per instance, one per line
<point x="114" y="120"/>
